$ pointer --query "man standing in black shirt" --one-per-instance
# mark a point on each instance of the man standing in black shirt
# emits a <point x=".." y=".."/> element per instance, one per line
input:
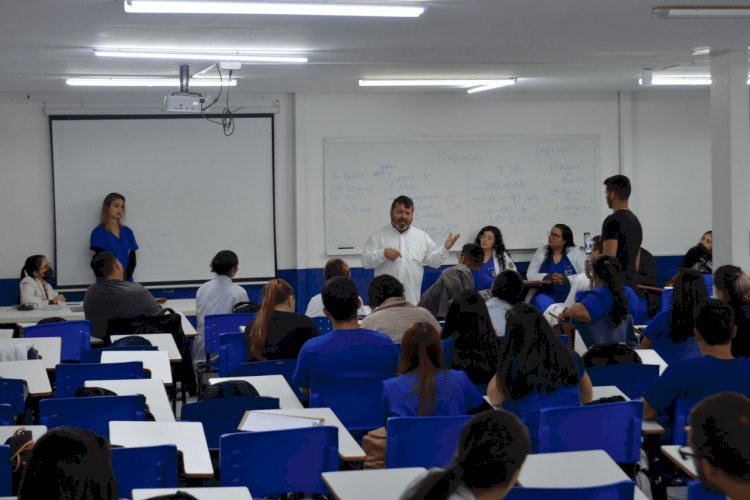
<point x="621" y="232"/>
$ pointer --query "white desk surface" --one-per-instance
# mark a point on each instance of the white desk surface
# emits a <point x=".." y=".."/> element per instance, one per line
<point x="215" y="493"/>
<point x="606" y="391"/>
<point x="48" y="347"/>
<point x="671" y="452"/>
<point x="573" y="469"/>
<point x="187" y="436"/>
<point x="651" y="357"/>
<point x="32" y="371"/>
<point x="274" y="386"/>
<point x="155" y="361"/>
<point x="349" y="449"/>
<point x="7" y="431"/>
<point x="6" y="333"/>
<point x="375" y="484"/>
<point x="162" y="341"/>
<point x="156" y="395"/>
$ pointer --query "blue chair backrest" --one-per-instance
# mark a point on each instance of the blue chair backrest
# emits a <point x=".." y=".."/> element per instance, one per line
<point x="448" y="345"/>
<point x="282" y="461"/>
<point x="145" y="467"/>
<point x="696" y="491"/>
<point x="70" y="377"/>
<point x="6" y="476"/>
<point x="323" y="323"/>
<point x="7" y="417"/>
<point x="216" y="324"/>
<point x="223" y="415"/>
<point x="92" y="413"/>
<point x="13" y="392"/>
<point x="95" y="355"/>
<point x="682" y="409"/>
<point x="612" y="427"/>
<point x="604" y="331"/>
<point x="356" y="400"/>
<point x="422" y="441"/>
<point x="633" y="379"/>
<point x="283" y="367"/>
<point x="75" y="335"/>
<point x="617" y="491"/>
<point x="232" y="352"/>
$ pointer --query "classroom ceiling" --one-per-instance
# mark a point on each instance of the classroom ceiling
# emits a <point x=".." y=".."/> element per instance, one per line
<point x="546" y="44"/>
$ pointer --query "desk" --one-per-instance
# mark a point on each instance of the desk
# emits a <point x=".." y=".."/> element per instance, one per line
<point x="187" y="436"/>
<point x="672" y="452"/>
<point x="6" y="333"/>
<point x="574" y="469"/>
<point x="162" y="341"/>
<point x="156" y="396"/>
<point x="32" y="371"/>
<point x="48" y="347"/>
<point x="7" y="431"/>
<point x="376" y="484"/>
<point x="157" y="362"/>
<point x="274" y="386"/>
<point x="349" y="449"/>
<point x="607" y="391"/>
<point x="651" y="357"/>
<point x="216" y="493"/>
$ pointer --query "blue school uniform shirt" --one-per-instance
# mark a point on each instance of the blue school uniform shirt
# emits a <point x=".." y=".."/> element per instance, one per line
<point x="454" y="392"/>
<point x="659" y="332"/>
<point x="554" y="294"/>
<point x="484" y="277"/>
<point x="345" y="351"/>
<point x="120" y="247"/>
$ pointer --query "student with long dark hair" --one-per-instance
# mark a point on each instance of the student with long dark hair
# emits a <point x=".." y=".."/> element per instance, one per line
<point x="733" y="286"/>
<point x="506" y="292"/>
<point x="491" y="450"/>
<point x="496" y="257"/>
<point x="670" y="333"/>
<point x="476" y="345"/>
<point x="113" y="236"/>
<point x="33" y="287"/>
<point x="277" y="332"/>
<point x="424" y="387"/>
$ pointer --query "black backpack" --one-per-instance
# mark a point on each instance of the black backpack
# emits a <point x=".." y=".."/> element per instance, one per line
<point x="228" y="389"/>
<point x="610" y="354"/>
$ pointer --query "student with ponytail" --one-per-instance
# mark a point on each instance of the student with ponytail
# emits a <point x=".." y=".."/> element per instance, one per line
<point x="277" y="332"/>
<point x="733" y="286"/>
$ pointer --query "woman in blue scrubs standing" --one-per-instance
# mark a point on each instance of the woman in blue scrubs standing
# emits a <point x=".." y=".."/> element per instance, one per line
<point x="111" y="235"/>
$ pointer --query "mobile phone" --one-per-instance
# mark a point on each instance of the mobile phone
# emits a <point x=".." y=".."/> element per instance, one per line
<point x="587" y="243"/>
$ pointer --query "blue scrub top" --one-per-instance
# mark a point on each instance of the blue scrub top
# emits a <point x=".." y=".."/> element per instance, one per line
<point x="120" y="247"/>
<point x="484" y="277"/>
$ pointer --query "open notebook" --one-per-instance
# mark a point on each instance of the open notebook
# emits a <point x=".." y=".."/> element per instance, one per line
<point x="257" y="421"/>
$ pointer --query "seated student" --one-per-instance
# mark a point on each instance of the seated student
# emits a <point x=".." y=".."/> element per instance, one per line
<point x="333" y="268"/>
<point x="519" y="385"/>
<point x="506" y="292"/>
<point x="475" y="343"/>
<point x="670" y="333"/>
<point x="423" y="387"/>
<point x="69" y="463"/>
<point x="694" y="379"/>
<point x="33" y="288"/>
<point x="452" y="281"/>
<point x="347" y="348"/>
<point x="700" y="257"/>
<point x="391" y="313"/>
<point x="496" y="257"/>
<point x="491" y="450"/>
<point x="113" y="297"/>
<point x="719" y="430"/>
<point x="217" y="296"/>
<point x="733" y="286"/>
<point x="277" y="332"/>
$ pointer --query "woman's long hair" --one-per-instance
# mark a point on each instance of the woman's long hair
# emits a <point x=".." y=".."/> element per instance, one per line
<point x="492" y="447"/>
<point x="688" y="296"/>
<point x="276" y="291"/>
<point x="532" y="358"/>
<point x="498" y="247"/>
<point x="607" y="268"/>
<point x="422" y="352"/>
<point x="567" y="236"/>
<point x="734" y="282"/>
<point x="32" y="264"/>
<point x="108" y="200"/>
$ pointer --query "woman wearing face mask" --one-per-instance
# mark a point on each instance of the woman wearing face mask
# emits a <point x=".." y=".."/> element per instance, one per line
<point x="34" y="288"/>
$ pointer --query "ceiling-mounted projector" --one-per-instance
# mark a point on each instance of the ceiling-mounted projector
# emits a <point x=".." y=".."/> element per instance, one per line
<point x="185" y="101"/>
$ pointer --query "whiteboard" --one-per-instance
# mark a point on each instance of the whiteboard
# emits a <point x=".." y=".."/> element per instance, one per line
<point x="190" y="192"/>
<point x="523" y="185"/>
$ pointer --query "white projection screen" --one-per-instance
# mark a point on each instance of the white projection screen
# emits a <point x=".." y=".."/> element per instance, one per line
<point x="190" y="191"/>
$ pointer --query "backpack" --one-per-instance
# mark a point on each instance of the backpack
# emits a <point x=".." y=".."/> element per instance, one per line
<point x="21" y="443"/>
<point x="610" y="354"/>
<point x="132" y="340"/>
<point x="228" y="389"/>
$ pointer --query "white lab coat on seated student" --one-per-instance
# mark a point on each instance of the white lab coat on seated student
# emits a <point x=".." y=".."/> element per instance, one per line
<point x="575" y="256"/>
<point x="417" y="250"/>
<point x="33" y="292"/>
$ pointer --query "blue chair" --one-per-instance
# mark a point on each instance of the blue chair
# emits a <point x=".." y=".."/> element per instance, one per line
<point x="604" y="331"/>
<point x="355" y="399"/>
<point x="448" y="345"/>
<point x="696" y="491"/>
<point x="92" y="413"/>
<point x="632" y="378"/>
<point x="216" y="324"/>
<point x="623" y="490"/>
<point x="145" y="467"/>
<point x="232" y="352"/>
<point x="6" y="475"/>
<point x="422" y="441"/>
<point x="95" y="355"/>
<point x="13" y="393"/>
<point x="223" y="415"/>
<point x="277" y="462"/>
<point x="323" y="323"/>
<point x="283" y="367"/>
<point x="6" y="414"/>
<point x="612" y="427"/>
<point x="70" y="377"/>
<point x="75" y="335"/>
<point x="682" y="409"/>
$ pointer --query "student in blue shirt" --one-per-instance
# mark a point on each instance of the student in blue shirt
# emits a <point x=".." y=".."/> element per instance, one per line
<point x="112" y="236"/>
<point x="423" y="387"/>
<point x="496" y="257"/>
<point x="347" y="348"/>
<point x="670" y="333"/>
<point x="694" y="379"/>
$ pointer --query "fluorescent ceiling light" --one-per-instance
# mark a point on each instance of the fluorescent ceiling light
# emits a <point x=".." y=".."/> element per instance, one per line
<point x="679" y="80"/>
<point x="281" y="8"/>
<point x="472" y="85"/>
<point x="701" y="12"/>
<point x="147" y="82"/>
<point x="197" y="56"/>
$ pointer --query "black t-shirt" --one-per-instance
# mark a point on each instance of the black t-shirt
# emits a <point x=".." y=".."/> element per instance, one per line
<point x="624" y="227"/>
<point x="286" y="335"/>
<point x="698" y="258"/>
